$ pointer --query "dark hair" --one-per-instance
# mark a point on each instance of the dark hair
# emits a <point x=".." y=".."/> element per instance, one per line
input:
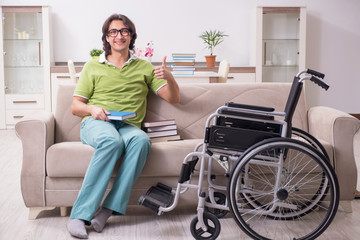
<point x="127" y="22"/>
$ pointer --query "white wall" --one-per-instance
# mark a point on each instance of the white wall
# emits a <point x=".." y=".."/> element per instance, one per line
<point x="333" y="34"/>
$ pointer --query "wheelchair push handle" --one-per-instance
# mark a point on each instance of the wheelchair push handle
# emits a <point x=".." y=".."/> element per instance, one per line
<point x="315" y="77"/>
<point x="315" y="73"/>
<point x="319" y="82"/>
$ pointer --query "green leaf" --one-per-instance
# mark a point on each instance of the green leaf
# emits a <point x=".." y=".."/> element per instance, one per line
<point x="212" y="38"/>
<point x="96" y="52"/>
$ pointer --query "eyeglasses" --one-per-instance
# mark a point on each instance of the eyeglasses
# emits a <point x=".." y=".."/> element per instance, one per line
<point x="123" y="32"/>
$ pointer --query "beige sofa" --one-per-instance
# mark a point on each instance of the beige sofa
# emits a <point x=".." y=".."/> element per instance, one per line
<point x="55" y="161"/>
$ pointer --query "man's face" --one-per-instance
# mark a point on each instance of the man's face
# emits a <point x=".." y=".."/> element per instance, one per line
<point x="119" y="43"/>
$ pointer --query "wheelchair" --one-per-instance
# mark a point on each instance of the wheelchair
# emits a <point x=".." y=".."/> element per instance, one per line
<point x="279" y="181"/>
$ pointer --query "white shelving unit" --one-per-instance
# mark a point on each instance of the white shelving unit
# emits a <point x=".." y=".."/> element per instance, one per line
<point x="25" y="65"/>
<point x="280" y="43"/>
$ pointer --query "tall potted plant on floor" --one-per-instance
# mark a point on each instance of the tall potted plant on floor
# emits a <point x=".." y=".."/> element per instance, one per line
<point x="212" y="38"/>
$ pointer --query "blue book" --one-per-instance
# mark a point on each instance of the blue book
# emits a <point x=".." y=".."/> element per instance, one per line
<point x="116" y="115"/>
<point x="175" y="59"/>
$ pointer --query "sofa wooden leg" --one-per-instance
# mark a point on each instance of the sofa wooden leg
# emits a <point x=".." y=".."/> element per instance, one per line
<point x="346" y="205"/>
<point x="63" y="211"/>
<point x="35" y="211"/>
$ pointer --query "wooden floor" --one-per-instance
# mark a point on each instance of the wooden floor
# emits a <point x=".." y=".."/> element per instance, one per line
<point x="14" y="223"/>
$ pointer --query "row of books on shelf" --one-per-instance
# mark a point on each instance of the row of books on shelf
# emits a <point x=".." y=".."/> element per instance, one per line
<point x="162" y="130"/>
<point x="183" y="63"/>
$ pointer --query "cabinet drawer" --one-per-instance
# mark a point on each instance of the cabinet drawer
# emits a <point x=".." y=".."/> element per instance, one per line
<point x="24" y="101"/>
<point x="13" y="116"/>
<point x="241" y="77"/>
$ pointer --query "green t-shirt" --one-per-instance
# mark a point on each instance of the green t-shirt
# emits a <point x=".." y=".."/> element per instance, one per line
<point x="114" y="89"/>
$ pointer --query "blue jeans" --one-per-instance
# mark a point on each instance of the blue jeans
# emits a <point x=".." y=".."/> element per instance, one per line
<point x="110" y="140"/>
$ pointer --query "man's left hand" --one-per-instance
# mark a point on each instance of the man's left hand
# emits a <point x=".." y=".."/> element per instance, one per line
<point x="162" y="73"/>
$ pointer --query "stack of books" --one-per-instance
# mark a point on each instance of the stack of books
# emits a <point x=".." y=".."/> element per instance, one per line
<point x="183" y="63"/>
<point x="162" y="130"/>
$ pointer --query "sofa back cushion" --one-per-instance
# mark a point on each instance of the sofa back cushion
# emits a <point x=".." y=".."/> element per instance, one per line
<point x="198" y="102"/>
<point x="67" y="125"/>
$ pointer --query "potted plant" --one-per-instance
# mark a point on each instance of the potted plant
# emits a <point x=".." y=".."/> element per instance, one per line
<point x="95" y="53"/>
<point x="212" y="38"/>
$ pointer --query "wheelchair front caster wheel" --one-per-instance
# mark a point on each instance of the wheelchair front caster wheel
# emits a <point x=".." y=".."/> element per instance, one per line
<point x="212" y="224"/>
<point x="220" y="198"/>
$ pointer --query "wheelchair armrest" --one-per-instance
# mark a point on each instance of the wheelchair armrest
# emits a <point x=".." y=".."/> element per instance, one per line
<point x="252" y="107"/>
<point x="247" y="115"/>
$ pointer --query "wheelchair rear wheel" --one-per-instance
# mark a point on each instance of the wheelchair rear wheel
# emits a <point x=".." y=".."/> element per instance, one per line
<point x="287" y="181"/>
<point x="302" y="136"/>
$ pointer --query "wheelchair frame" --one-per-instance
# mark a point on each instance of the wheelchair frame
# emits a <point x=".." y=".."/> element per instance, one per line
<point x="261" y="130"/>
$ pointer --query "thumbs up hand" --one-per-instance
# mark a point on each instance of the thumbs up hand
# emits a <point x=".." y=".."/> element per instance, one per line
<point x="161" y="72"/>
<point x="170" y="91"/>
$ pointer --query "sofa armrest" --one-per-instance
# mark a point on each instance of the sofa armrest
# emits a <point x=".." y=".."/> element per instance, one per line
<point x="36" y="132"/>
<point x="338" y="128"/>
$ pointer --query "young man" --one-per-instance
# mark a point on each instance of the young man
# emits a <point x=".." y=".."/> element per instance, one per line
<point x="118" y="81"/>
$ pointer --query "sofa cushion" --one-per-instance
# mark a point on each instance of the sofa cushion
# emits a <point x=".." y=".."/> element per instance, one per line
<point x="68" y="159"/>
<point x="166" y="158"/>
<point x="67" y="125"/>
<point x="71" y="159"/>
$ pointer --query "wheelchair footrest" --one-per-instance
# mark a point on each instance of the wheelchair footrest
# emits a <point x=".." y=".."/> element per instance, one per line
<point x="157" y="196"/>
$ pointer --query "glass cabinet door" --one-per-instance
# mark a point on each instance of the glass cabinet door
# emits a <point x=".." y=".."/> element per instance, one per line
<point x="281" y="46"/>
<point x="280" y="43"/>
<point x="23" y="50"/>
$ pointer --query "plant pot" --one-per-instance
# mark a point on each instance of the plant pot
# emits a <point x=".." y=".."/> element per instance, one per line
<point x="210" y="60"/>
<point x="95" y="57"/>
